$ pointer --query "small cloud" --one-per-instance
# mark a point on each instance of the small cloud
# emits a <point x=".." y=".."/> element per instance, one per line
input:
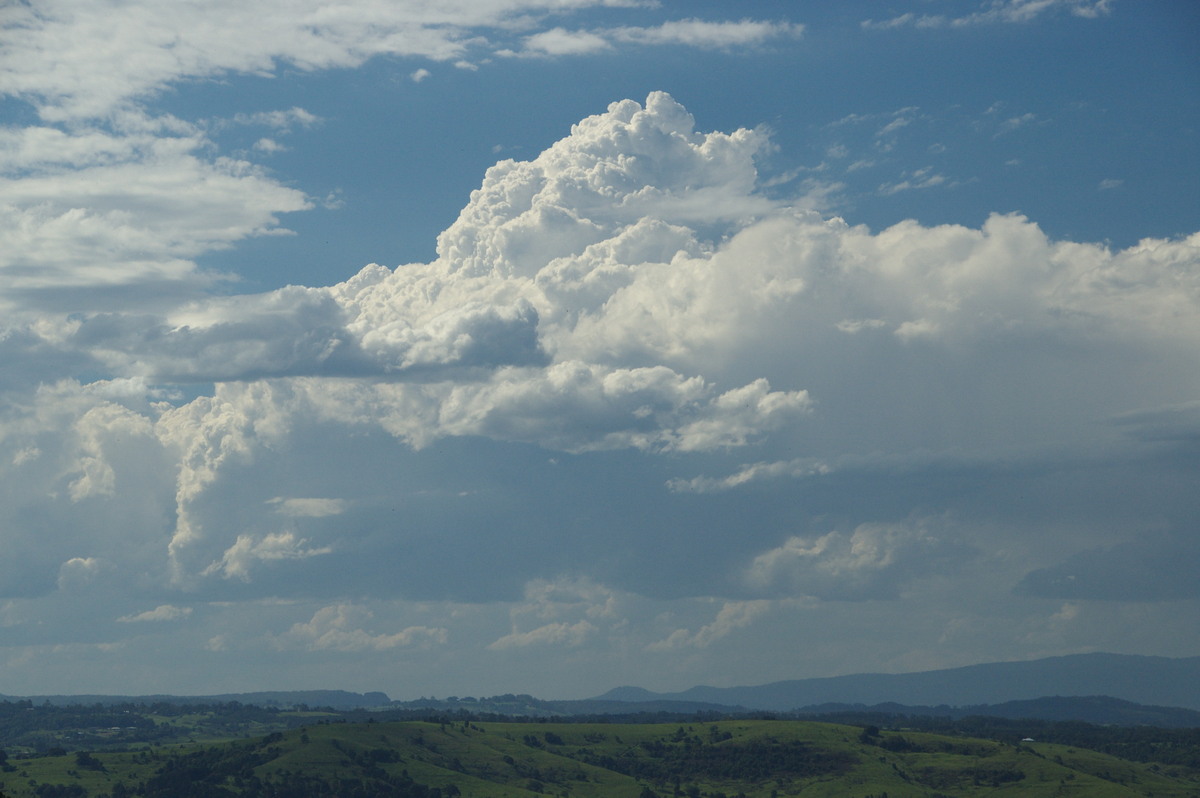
<point x="420" y="75"/>
<point x="26" y="455"/>
<point x="243" y="554"/>
<point x="309" y="507"/>
<point x="78" y="572"/>
<point x="894" y="125"/>
<point x="163" y="612"/>
<point x="685" y="32"/>
<point x="279" y="120"/>
<point x="560" y="633"/>
<point x="1014" y="122"/>
<point x="997" y="12"/>
<point x="1110" y="183"/>
<point x="875" y="561"/>
<point x="921" y="178"/>
<point x="1159" y="567"/>
<point x="339" y="628"/>
<point x="333" y="200"/>
<point x="708" y="35"/>
<point x="733" y="615"/>
<point x="559" y="41"/>
<point x="784" y="469"/>
<point x="269" y="146"/>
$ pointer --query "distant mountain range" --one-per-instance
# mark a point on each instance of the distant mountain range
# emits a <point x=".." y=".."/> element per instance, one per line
<point x="1158" y="681"/>
<point x="336" y="699"/>
<point x="1096" y="688"/>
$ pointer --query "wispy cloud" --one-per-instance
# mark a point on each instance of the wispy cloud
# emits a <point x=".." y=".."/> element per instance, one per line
<point x="163" y="612"/>
<point x="733" y="615"/>
<point x="339" y="627"/>
<point x="996" y="12"/>
<point x="689" y="33"/>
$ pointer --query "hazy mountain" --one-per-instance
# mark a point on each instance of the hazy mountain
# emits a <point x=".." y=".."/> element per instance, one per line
<point x="337" y="699"/>
<point x="1160" y="681"/>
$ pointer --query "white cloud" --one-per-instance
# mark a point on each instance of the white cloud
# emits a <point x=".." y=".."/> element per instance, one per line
<point x="687" y="32"/>
<point x="339" y="627"/>
<point x="917" y="179"/>
<point x="95" y="209"/>
<point x="282" y="121"/>
<point x="163" y="612"/>
<point x="699" y="33"/>
<point x="420" y="75"/>
<point x="77" y="572"/>
<point x="793" y="469"/>
<point x="558" y="41"/>
<point x="996" y="12"/>
<point x="269" y="146"/>
<point x="560" y="633"/>
<point x="49" y="52"/>
<point x="578" y="305"/>
<point x="1014" y="122"/>
<point x="874" y="561"/>
<point x="240" y="558"/>
<point x="308" y="507"/>
<point x="565" y="612"/>
<point x="733" y="615"/>
<point x="626" y="303"/>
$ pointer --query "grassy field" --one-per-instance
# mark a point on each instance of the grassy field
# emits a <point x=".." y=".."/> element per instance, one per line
<point x="471" y="759"/>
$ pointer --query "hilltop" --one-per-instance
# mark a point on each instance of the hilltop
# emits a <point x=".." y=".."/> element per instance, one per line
<point x="452" y="758"/>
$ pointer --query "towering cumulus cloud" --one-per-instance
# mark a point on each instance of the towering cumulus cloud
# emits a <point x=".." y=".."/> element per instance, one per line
<point x="629" y="370"/>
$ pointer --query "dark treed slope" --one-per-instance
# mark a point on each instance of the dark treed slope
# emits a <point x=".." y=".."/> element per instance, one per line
<point x="459" y="758"/>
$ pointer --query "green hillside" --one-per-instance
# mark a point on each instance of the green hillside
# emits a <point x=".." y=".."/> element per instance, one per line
<point x="473" y="759"/>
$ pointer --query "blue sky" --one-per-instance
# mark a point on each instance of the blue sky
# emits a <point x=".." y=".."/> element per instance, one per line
<point x="516" y="346"/>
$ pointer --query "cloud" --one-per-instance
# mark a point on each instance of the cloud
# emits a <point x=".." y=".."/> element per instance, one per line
<point x="1177" y="424"/>
<point x="628" y="308"/>
<point x="688" y="32"/>
<point x="565" y="611"/>
<point x="163" y="612"/>
<point x="240" y="558"/>
<point x="282" y="121"/>
<point x="698" y="33"/>
<point x="1155" y="567"/>
<point x="732" y="615"/>
<point x="917" y="179"/>
<point x="339" y="628"/>
<point x="794" y="469"/>
<point x="558" y="41"/>
<point x="580" y="304"/>
<point x="92" y="212"/>
<point x="996" y="12"/>
<point x="49" y="57"/>
<point x="560" y="633"/>
<point x="308" y="508"/>
<point x="78" y="572"/>
<point x="874" y="561"/>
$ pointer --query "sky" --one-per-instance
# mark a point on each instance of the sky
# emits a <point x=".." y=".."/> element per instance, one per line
<point x="547" y="346"/>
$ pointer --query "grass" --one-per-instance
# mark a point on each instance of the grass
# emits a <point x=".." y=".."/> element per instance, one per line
<point x="754" y="758"/>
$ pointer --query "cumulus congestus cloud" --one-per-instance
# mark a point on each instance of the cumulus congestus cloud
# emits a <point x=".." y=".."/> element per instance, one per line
<point x="627" y="368"/>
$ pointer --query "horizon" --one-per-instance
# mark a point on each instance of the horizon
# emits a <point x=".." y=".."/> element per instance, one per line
<point x="541" y="346"/>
